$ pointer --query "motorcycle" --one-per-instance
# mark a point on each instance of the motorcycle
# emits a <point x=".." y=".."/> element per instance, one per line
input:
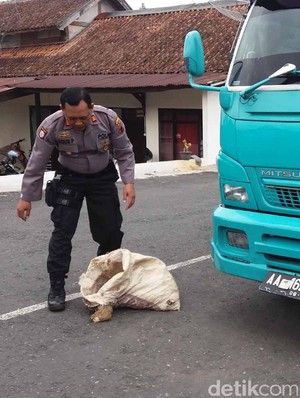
<point x="16" y="147"/>
<point x="12" y="158"/>
<point x="8" y="163"/>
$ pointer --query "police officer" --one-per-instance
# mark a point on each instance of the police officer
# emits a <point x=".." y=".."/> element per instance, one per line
<point x="84" y="135"/>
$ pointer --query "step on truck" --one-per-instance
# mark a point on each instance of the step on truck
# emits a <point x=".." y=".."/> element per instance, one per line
<point x="256" y="228"/>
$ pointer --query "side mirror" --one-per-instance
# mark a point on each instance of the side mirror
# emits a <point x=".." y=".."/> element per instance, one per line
<point x="193" y="54"/>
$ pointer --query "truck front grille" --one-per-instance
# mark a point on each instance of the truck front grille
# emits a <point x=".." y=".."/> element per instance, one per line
<point x="283" y="196"/>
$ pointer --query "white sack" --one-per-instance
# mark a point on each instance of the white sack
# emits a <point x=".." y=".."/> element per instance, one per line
<point x="124" y="279"/>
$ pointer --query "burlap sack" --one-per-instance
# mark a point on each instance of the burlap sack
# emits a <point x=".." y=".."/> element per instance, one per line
<point x="124" y="279"/>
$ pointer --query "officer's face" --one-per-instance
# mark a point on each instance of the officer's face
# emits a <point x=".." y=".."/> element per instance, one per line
<point x="78" y="116"/>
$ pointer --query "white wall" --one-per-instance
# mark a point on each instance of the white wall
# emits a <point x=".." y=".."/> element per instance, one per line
<point x="14" y="121"/>
<point x="14" y="115"/>
<point x="211" y="126"/>
<point x="109" y="100"/>
<point x="50" y="99"/>
<point x="116" y="100"/>
<point x="90" y="14"/>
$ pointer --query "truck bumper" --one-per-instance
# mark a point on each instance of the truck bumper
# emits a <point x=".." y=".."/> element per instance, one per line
<point x="274" y="243"/>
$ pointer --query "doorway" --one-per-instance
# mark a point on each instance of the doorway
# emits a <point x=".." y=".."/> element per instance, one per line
<point x="176" y="125"/>
<point x="133" y="118"/>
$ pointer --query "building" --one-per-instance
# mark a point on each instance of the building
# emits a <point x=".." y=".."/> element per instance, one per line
<point x="130" y="61"/>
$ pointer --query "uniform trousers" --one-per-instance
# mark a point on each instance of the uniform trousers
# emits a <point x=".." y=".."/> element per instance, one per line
<point x="104" y="214"/>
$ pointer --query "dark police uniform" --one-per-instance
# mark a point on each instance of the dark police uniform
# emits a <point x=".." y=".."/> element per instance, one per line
<point x="85" y="170"/>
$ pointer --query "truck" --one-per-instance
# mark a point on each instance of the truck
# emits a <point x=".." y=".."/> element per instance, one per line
<point x="256" y="227"/>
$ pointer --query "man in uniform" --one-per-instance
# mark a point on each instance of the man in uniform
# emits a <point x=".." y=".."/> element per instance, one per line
<point x="84" y="135"/>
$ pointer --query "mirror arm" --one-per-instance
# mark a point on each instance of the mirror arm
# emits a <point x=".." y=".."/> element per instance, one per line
<point x="200" y="86"/>
<point x="287" y="68"/>
<point x="248" y="91"/>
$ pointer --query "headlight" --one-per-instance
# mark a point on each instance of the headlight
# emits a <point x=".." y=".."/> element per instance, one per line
<point x="237" y="194"/>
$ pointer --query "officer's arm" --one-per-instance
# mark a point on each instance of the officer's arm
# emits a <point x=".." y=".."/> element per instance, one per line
<point x="32" y="183"/>
<point x="125" y="157"/>
<point x="122" y="148"/>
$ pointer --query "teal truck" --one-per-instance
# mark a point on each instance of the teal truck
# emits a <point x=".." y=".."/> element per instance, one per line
<point x="256" y="228"/>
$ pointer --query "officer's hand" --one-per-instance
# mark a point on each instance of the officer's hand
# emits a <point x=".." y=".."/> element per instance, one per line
<point x="23" y="209"/>
<point x="129" y="195"/>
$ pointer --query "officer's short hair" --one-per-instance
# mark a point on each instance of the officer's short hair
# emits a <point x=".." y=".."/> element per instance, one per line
<point x="73" y="95"/>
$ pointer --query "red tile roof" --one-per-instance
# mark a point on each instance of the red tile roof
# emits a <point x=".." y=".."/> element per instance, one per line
<point x="131" y="44"/>
<point x="136" y="44"/>
<point x="26" y="15"/>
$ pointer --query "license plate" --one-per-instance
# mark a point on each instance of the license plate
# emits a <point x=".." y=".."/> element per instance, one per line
<point x="282" y="284"/>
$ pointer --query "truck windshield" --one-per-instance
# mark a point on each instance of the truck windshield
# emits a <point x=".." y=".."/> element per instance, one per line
<point x="270" y="40"/>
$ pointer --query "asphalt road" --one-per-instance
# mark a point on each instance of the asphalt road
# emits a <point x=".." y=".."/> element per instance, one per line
<point x="227" y="332"/>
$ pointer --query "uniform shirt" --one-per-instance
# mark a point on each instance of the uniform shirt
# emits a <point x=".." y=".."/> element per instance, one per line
<point x="85" y="151"/>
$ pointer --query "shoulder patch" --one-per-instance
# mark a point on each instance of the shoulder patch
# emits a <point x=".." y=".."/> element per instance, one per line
<point x="43" y="132"/>
<point x="119" y="125"/>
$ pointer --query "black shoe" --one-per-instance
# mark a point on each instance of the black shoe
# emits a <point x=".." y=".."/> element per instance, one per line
<point x="57" y="296"/>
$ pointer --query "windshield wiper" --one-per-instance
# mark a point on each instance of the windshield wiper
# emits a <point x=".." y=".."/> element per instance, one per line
<point x="285" y="69"/>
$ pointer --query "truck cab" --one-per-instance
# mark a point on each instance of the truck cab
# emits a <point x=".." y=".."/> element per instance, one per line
<point x="256" y="227"/>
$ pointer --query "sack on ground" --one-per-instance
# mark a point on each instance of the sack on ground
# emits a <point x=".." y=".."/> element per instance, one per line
<point x="124" y="279"/>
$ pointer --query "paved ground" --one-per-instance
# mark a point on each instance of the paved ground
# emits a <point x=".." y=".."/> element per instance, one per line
<point x="227" y="333"/>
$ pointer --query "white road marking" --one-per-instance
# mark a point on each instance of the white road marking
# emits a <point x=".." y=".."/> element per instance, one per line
<point x="69" y="297"/>
<point x="32" y="308"/>
<point x="188" y="262"/>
